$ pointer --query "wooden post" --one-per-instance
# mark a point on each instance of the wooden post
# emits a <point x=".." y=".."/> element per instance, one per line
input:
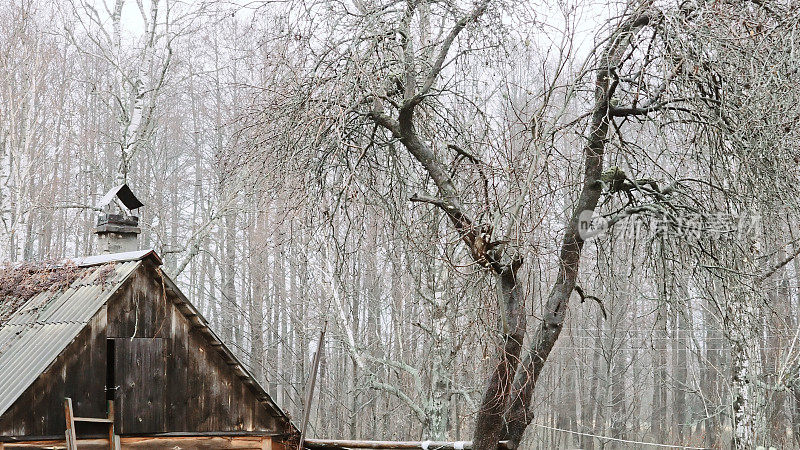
<point x="113" y="439"/>
<point x="310" y="387"/>
<point x="70" y="432"/>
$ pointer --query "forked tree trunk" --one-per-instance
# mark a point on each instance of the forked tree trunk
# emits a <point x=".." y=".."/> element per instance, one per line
<point x="504" y="408"/>
<point x="518" y="415"/>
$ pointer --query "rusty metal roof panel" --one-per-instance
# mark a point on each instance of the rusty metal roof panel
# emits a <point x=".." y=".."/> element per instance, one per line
<point x="39" y="329"/>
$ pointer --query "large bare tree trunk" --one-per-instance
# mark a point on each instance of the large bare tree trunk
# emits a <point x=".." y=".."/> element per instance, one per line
<point x="489" y="421"/>
<point x="519" y="416"/>
<point x="748" y="407"/>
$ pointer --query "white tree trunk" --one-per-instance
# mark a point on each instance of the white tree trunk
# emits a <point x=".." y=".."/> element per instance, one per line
<point x="748" y="407"/>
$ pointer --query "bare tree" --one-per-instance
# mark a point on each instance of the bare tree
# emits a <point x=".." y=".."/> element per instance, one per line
<point x="428" y="177"/>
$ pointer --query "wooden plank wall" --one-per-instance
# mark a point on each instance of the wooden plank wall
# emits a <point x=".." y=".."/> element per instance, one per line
<point x="78" y="373"/>
<point x="193" y="389"/>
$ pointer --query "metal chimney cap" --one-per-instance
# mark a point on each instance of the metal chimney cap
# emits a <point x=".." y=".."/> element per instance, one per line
<point x="124" y="194"/>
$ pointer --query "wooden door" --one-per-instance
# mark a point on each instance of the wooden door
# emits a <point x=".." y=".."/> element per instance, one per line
<point x="140" y="376"/>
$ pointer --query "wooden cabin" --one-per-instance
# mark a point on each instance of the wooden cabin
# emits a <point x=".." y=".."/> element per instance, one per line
<point x="116" y="328"/>
<point x="139" y="364"/>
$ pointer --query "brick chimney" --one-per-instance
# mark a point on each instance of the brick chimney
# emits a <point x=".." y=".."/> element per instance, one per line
<point x="117" y="228"/>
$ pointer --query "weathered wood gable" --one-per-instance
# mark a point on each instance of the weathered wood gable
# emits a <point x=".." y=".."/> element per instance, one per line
<point x="149" y="351"/>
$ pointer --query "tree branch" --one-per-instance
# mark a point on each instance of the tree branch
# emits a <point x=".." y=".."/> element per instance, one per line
<point x="438" y="63"/>
<point x="585" y="297"/>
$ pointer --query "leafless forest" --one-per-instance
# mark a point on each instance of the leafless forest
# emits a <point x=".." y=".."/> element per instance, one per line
<point x="562" y="223"/>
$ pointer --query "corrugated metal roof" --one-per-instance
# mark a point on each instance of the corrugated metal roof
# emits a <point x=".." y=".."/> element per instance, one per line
<point x="38" y="329"/>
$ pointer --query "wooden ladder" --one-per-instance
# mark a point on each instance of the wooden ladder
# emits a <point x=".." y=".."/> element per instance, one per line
<point x="72" y="440"/>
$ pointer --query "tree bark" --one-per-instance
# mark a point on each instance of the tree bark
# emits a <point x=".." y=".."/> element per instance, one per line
<point x="489" y="421"/>
<point x="748" y="413"/>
